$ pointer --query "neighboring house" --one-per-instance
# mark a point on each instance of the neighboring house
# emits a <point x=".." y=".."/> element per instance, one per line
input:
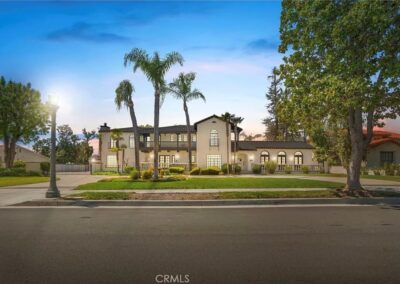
<point x="384" y="148"/>
<point x="208" y="148"/>
<point x="31" y="158"/>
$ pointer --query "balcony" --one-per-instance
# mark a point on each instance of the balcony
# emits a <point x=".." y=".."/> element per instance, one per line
<point x="167" y="145"/>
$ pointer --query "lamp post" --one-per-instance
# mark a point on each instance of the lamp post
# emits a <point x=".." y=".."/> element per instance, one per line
<point x="53" y="191"/>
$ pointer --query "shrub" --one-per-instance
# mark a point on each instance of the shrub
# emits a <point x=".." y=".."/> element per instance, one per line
<point x="389" y="169"/>
<point x="45" y="167"/>
<point x="173" y="178"/>
<point x="147" y="174"/>
<point x="305" y="169"/>
<point x="256" y="169"/>
<point x="238" y="169"/>
<point x="134" y="174"/>
<point x="19" y="164"/>
<point x="195" y="171"/>
<point x="364" y="171"/>
<point x="13" y="172"/>
<point x="232" y="169"/>
<point x="270" y="167"/>
<point x="288" y="169"/>
<point x="377" y="172"/>
<point x="129" y="169"/>
<point x="210" y="171"/>
<point x="176" y="170"/>
<point x="164" y="172"/>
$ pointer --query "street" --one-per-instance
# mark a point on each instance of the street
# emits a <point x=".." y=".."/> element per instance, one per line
<point x="352" y="244"/>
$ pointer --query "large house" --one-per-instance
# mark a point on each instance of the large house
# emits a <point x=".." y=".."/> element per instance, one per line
<point x="31" y="158"/>
<point x="384" y="148"/>
<point x="209" y="148"/>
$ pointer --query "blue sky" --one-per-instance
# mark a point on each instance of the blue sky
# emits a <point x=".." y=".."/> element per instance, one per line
<point x="75" y="50"/>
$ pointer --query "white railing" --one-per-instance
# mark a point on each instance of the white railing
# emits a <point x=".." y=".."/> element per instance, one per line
<point x="71" y="168"/>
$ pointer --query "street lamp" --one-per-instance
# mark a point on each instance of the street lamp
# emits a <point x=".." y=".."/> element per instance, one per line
<point x="53" y="191"/>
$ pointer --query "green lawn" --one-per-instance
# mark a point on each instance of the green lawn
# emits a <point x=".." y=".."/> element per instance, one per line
<point x="9" y="181"/>
<point x="103" y="195"/>
<point x="197" y="183"/>
<point x="390" y="178"/>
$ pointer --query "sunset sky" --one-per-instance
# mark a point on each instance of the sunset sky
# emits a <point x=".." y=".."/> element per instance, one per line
<point x="75" y="51"/>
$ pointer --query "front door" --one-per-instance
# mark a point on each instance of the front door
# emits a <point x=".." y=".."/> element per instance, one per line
<point x="163" y="161"/>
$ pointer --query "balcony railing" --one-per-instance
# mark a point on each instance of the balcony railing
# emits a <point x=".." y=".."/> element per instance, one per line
<point x="168" y="144"/>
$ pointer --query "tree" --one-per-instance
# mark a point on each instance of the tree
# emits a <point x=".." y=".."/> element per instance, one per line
<point x="23" y="117"/>
<point x="181" y="88"/>
<point x="342" y="65"/>
<point x="124" y="98"/>
<point x="42" y="146"/>
<point x="227" y="117"/>
<point x="155" y="69"/>
<point x="250" y="137"/>
<point x="67" y="145"/>
<point x="85" y="151"/>
<point x="116" y="135"/>
<point x="236" y="120"/>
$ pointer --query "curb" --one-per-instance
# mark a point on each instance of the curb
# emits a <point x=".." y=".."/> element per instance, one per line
<point x="391" y="201"/>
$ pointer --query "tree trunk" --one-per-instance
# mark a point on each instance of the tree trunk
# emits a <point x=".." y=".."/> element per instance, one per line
<point x="156" y="132"/>
<point x="9" y="151"/>
<point x="235" y="147"/>
<point x="227" y="147"/>
<point x="123" y="161"/>
<point x="136" y="135"/>
<point x="185" y="108"/>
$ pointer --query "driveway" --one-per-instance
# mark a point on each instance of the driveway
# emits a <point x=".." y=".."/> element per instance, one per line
<point x="20" y="193"/>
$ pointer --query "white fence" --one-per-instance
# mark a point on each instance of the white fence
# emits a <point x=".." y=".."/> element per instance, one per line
<point x="72" y="168"/>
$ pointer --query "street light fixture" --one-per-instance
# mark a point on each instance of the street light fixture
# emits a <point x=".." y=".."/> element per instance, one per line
<point x="53" y="191"/>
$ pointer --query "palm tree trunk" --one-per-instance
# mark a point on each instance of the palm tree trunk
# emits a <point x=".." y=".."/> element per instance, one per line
<point x="227" y="147"/>
<point x="123" y="160"/>
<point x="136" y="135"/>
<point x="156" y="132"/>
<point x="117" y="161"/>
<point x="185" y="108"/>
<point x="235" y="146"/>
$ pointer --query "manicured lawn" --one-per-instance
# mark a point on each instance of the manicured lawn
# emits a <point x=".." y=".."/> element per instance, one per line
<point x="197" y="183"/>
<point x="390" y="178"/>
<point x="279" y="194"/>
<point x="9" y="181"/>
<point x="103" y="195"/>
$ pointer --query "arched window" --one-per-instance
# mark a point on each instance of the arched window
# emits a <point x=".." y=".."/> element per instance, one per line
<point x="214" y="138"/>
<point x="298" y="158"/>
<point x="264" y="157"/>
<point x="281" y="158"/>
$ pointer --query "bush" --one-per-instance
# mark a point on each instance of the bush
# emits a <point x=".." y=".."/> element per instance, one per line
<point x="288" y="169"/>
<point x="377" y="172"/>
<point x="134" y="174"/>
<point x="173" y="178"/>
<point x="270" y="167"/>
<point x="164" y="172"/>
<point x="19" y="164"/>
<point x="129" y="169"/>
<point x="45" y="167"/>
<point x="210" y="171"/>
<point x="389" y="169"/>
<point x="13" y="172"/>
<point x="147" y="174"/>
<point x="256" y="169"/>
<point x="238" y="169"/>
<point x="176" y="170"/>
<point x="195" y="171"/>
<point x="305" y="169"/>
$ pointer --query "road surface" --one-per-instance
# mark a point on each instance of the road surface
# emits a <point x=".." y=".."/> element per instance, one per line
<point x="353" y="244"/>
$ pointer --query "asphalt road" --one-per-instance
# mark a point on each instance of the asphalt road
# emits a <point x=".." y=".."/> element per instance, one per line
<point x="216" y="245"/>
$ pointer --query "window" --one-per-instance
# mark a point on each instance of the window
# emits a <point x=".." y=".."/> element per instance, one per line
<point x="163" y="161"/>
<point x="193" y="158"/>
<point x="264" y="157"/>
<point x="172" y="138"/>
<point x="214" y="161"/>
<point x="298" y="158"/>
<point x="173" y="159"/>
<point x="131" y="141"/>
<point x="182" y="137"/>
<point x="281" y="158"/>
<point x="111" y="161"/>
<point x="113" y="143"/>
<point x="214" y="138"/>
<point x="387" y="157"/>
<point x="194" y="137"/>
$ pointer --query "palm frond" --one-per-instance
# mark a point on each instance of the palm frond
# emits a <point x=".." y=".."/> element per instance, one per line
<point x="123" y="94"/>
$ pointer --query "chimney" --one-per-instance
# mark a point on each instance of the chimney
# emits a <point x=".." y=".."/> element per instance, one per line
<point x="104" y="128"/>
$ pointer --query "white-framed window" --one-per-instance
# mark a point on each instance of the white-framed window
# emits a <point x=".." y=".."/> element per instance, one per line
<point x="264" y="157"/>
<point x="298" y="158"/>
<point x="112" y="161"/>
<point x="163" y="161"/>
<point x="194" y="138"/>
<point x="113" y="143"/>
<point x="172" y="138"/>
<point x="214" y="138"/>
<point x="214" y="161"/>
<point x="131" y="141"/>
<point x="193" y="158"/>
<point x="173" y="159"/>
<point x="182" y="137"/>
<point x="281" y="158"/>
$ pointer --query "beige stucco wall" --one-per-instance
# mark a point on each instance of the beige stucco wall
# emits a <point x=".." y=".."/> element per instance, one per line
<point x="203" y="136"/>
<point x="31" y="158"/>
<point x="373" y="154"/>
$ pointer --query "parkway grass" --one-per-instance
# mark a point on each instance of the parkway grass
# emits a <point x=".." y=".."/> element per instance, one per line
<point x="212" y="183"/>
<point x="10" y="181"/>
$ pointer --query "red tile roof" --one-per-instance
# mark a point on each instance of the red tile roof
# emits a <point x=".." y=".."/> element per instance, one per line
<point x="382" y="136"/>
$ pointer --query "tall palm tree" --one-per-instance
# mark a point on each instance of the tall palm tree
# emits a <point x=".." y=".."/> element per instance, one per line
<point x="236" y="120"/>
<point x="123" y="97"/>
<point x="155" y="69"/>
<point x="227" y="117"/>
<point x="116" y="135"/>
<point x="181" y="88"/>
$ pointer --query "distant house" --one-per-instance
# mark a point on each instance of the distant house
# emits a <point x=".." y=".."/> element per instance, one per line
<point x="31" y="158"/>
<point x="384" y="148"/>
<point x="209" y="148"/>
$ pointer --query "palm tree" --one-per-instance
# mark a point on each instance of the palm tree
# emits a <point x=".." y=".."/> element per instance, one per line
<point x="181" y="88"/>
<point x="236" y="120"/>
<point x="155" y="69"/>
<point x="116" y="135"/>
<point x="227" y="117"/>
<point x="123" y="97"/>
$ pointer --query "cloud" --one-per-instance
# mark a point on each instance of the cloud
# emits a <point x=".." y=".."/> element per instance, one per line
<point x="82" y="31"/>
<point x="260" y="45"/>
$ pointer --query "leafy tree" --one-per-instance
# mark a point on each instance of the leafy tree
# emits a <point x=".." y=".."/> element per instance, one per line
<point x="342" y="65"/>
<point x="42" y="146"/>
<point x="227" y="117"/>
<point x="23" y="117"/>
<point x="124" y="98"/>
<point x="85" y="151"/>
<point x="250" y="137"/>
<point x="67" y="145"/>
<point x="236" y="120"/>
<point x="181" y="88"/>
<point x="155" y="69"/>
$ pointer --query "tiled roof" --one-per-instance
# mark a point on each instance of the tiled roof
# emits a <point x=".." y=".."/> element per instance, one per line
<point x="164" y="129"/>
<point x="382" y="136"/>
<point x="254" y="145"/>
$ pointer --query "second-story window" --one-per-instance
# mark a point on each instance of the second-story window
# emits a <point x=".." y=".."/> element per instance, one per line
<point x="193" y="137"/>
<point x="113" y="143"/>
<point x="214" y="138"/>
<point x="131" y="141"/>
